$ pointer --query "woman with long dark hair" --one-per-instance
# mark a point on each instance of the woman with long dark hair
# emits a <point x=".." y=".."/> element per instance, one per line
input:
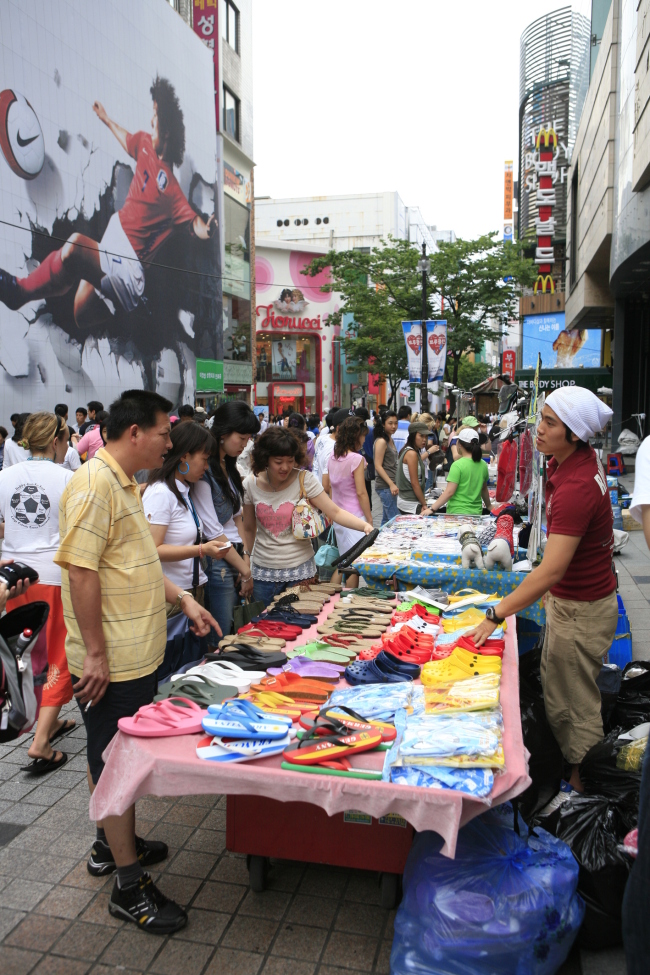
<point x="271" y="492"/>
<point x="385" y="457"/>
<point x="175" y="524"/>
<point x="218" y="497"/>
<point x="411" y="475"/>
<point x="467" y="490"/>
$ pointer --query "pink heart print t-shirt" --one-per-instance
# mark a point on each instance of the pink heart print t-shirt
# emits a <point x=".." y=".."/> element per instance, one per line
<point x="275" y="545"/>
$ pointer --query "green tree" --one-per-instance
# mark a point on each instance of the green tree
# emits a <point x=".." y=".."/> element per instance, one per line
<point x="471" y="373"/>
<point x="383" y="288"/>
<point x="478" y="282"/>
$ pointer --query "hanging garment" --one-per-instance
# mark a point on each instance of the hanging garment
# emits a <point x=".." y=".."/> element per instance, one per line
<point x="507" y="471"/>
<point x="526" y="463"/>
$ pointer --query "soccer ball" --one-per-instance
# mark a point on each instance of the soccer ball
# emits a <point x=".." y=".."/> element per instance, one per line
<point x="30" y="506"/>
<point x="21" y="136"/>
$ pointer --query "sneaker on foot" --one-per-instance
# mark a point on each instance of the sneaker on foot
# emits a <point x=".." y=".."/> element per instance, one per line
<point x="101" y="862"/>
<point x="10" y="293"/>
<point x="566" y="792"/>
<point x="147" y="907"/>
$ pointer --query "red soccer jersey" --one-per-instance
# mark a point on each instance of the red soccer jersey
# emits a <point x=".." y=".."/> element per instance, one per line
<point x="578" y="504"/>
<point x="155" y="203"/>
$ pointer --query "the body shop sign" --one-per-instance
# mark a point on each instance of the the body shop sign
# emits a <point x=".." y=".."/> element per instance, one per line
<point x="209" y="376"/>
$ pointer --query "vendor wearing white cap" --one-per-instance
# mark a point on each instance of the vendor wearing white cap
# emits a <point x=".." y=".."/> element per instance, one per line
<point x="467" y="489"/>
<point x="576" y="574"/>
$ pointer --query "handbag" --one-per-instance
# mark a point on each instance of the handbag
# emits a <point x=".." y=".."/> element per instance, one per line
<point x="326" y="554"/>
<point x="245" y="612"/>
<point x="306" y="520"/>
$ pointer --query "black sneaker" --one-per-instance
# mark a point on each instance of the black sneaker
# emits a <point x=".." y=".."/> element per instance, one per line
<point x="101" y="862"/>
<point x="147" y="907"/>
<point x="10" y="292"/>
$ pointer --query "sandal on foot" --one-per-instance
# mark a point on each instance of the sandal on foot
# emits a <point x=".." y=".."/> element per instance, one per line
<point x="41" y="766"/>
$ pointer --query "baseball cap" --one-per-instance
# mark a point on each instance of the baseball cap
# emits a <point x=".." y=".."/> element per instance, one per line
<point x="338" y="417"/>
<point x="418" y="427"/>
<point x="470" y="421"/>
<point x="468" y="435"/>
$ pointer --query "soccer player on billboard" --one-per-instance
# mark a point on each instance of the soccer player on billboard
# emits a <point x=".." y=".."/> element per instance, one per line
<point x="111" y="273"/>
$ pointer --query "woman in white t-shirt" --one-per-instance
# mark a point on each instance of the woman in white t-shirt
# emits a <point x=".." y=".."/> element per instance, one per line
<point x="271" y="492"/>
<point x="15" y="451"/>
<point x="218" y="499"/>
<point x="30" y="491"/>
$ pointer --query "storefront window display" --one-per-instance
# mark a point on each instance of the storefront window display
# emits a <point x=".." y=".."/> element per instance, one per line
<point x="236" y="328"/>
<point x="286" y="357"/>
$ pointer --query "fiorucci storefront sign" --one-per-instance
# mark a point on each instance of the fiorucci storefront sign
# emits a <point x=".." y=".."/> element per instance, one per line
<point x="273" y="320"/>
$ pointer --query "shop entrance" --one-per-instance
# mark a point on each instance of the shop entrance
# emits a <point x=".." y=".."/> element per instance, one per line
<point x="286" y="396"/>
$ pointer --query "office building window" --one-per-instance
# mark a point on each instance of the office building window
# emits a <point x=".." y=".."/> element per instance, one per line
<point x="230" y="114"/>
<point x="230" y="24"/>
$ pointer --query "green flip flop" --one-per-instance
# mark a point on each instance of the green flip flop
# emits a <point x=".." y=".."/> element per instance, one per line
<point x="201" y="691"/>
<point x="324" y="652"/>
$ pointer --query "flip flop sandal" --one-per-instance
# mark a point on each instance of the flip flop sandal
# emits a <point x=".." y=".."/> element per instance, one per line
<point x="360" y="615"/>
<point x="324" y="654"/>
<point x="249" y="658"/>
<point x="304" y="667"/>
<point x="314" y="751"/>
<point x="164" y="719"/>
<point x="352" y="641"/>
<point x="330" y="588"/>
<point x="200" y="691"/>
<point x="221" y="723"/>
<point x="345" y="560"/>
<point x="351" y="718"/>
<point x="66" y="727"/>
<point x="298" y="688"/>
<point x="369" y="593"/>
<point x="41" y="766"/>
<point x="371" y="604"/>
<point x="218" y="673"/>
<point x="227" y="752"/>
<point x="353" y="629"/>
<point x="272" y="630"/>
<point x="276" y="703"/>
<point x="250" y="637"/>
<point x="249" y="709"/>
<point x="342" y="768"/>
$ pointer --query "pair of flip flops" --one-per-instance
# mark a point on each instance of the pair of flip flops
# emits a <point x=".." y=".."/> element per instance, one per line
<point x="324" y="653"/>
<point x="242" y="719"/>
<point x="341" y="719"/>
<point x="295" y="687"/>
<point x="331" y="751"/>
<point x="224" y="671"/>
<point x="164" y="719"/>
<point x="248" y="657"/>
<point x="304" y="667"/>
<point x="197" y="689"/>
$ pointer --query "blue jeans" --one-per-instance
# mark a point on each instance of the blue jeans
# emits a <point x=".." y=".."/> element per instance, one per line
<point x="221" y="595"/>
<point x="636" y="932"/>
<point x="388" y="504"/>
<point x="265" y="591"/>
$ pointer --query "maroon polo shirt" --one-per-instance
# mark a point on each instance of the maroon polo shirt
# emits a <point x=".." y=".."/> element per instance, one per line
<point x="578" y="504"/>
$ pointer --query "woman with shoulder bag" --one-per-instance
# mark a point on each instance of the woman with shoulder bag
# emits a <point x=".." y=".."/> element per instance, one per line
<point x="345" y="480"/>
<point x="273" y="492"/>
<point x="385" y="456"/>
<point x="411" y="472"/>
<point x="218" y="498"/>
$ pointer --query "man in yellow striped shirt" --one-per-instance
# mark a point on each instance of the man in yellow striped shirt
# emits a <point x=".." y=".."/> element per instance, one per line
<point x="114" y="594"/>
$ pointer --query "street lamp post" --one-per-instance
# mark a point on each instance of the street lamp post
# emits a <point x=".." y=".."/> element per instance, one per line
<point x="423" y="267"/>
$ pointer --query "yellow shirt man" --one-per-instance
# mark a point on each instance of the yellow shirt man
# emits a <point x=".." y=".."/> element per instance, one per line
<point x="103" y="527"/>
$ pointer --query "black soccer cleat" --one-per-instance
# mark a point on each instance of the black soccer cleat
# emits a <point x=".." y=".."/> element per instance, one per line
<point x="147" y="907"/>
<point x="10" y="291"/>
<point x="101" y="862"/>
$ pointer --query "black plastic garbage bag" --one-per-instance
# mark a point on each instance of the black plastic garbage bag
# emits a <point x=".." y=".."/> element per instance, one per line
<point x="612" y="769"/>
<point x="593" y="827"/>
<point x="633" y="704"/>
<point x="609" y="685"/>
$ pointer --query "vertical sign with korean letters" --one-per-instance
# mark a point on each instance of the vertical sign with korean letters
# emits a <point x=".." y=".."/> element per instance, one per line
<point x="206" y="25"/>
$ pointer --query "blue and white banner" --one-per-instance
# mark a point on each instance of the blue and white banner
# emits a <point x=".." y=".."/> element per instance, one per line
<point x="436" y="352"/>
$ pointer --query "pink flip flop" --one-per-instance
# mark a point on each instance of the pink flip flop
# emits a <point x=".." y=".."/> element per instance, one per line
<point x="164" y="719"/>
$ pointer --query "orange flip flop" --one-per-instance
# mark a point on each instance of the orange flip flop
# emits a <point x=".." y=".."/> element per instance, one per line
<point x="319" y="750"/>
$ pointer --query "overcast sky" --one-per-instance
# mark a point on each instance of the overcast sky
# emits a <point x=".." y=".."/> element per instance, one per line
<point x="418" y="96"/>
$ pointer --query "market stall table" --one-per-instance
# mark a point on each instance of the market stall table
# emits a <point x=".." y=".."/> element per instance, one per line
<point x="137" y="767"/>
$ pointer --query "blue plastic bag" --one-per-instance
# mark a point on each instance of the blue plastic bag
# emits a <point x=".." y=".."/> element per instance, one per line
<point x="506" y="905"/>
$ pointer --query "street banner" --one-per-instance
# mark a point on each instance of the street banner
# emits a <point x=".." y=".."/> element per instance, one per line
<point x="413" y="339"/>
<point x="437" y="351"/>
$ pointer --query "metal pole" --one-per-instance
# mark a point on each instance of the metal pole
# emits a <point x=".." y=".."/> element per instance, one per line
<point x="424" y="377"/>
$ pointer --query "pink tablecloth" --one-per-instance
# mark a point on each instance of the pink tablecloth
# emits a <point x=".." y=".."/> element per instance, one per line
<point x="137" y="767"/>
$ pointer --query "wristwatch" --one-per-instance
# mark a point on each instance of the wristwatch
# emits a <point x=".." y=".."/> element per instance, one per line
<point x="179" y="598"/>
<point x="492" y="616"/>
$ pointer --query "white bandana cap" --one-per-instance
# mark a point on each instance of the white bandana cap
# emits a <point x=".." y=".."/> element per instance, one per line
<point x="581" y="410"/>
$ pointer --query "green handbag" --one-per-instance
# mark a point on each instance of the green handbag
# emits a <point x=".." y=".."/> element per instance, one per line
<point x="327" y="552"/>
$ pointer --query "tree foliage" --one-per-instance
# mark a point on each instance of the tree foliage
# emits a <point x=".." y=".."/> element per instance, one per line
<point x="471" y="373"/>
<point x="476" y="281"/>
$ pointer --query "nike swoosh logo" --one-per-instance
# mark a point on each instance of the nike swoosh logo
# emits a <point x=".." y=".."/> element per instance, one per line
<point x="24" y="142"/>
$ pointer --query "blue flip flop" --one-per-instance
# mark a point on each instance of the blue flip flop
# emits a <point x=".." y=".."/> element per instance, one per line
<point x="228" y="722"/>
<point x="228" y="752"/>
